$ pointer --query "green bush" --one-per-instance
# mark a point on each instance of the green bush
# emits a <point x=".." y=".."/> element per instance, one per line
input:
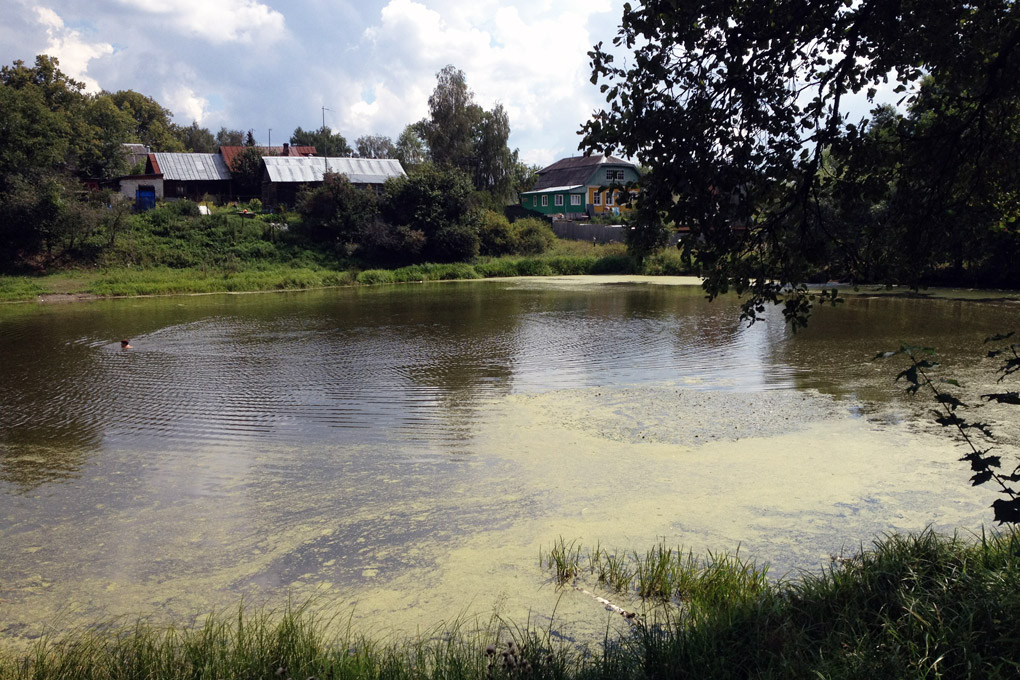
<point x="533" y="236"/>
<point x="496" y="235"/>
<point x="455" y="242"/>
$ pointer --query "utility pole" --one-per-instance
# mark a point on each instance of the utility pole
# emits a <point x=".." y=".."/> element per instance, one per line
<point x="325" y="144"/>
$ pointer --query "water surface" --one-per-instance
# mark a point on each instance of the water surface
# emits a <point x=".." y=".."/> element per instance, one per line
<point x="407" y="450"/>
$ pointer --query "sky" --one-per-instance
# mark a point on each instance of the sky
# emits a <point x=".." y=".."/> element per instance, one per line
<point x="270" y="65"/>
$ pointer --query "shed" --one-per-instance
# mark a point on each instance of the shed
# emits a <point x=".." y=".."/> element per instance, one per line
<point x="190" y="175"/>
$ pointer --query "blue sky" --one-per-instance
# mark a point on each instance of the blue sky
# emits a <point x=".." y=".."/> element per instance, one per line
<point x="273" y="65"/>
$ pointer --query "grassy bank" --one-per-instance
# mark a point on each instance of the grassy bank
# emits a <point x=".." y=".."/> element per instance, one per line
<point x="917" y="607"/>
<point x="565" y="258"/>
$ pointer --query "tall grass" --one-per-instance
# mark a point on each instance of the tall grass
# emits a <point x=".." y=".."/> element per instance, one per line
<point x="922" y="606"/>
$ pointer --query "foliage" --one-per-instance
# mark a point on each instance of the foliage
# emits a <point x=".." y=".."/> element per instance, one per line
<point x="977" y="436"/>
<point x="153" y="126"/>
<point x="197" y="139"/>
<point x="495" y="235"/>
<point x="523" y="178"/>
<point x="437" y="202"/>
<point x="533" y="236"/>
<point x="410" y="148"/>
<point x="246" y="169"/>
<point x="739" y="111"/>
<point x="375" y="146"/>
<point x="337" y="213"/>
<point x="51" y="133"/>
<point x="227" y="137"/>
<point x="325" y="141"/>
<point x="461" y="134"/>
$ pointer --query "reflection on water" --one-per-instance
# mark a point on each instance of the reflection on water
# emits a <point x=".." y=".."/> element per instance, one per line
<point x="408" y="448"/>
<point x="404" y="364"/>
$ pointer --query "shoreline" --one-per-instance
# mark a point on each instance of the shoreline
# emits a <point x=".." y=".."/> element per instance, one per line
<point x="861" y="292"/>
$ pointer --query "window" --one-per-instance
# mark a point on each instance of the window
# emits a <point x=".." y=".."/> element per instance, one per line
<point x="598" y="198"/>
<point x="534" y="201"/>
<point x="610" y="175"/>
<point x="558" y="199"/>
<point x="609" y="198"/>
<point x="575" y="199"/>
<point x="545" y="201"/>
<point x="619" y="175"/>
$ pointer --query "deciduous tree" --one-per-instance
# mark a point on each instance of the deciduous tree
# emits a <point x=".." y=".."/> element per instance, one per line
<point x="741" y="112"/>
<point x="325" y="141"/>
<point x="375" y="146"/>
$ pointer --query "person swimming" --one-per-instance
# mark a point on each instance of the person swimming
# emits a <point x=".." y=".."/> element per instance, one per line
<point x="125" y="344"/>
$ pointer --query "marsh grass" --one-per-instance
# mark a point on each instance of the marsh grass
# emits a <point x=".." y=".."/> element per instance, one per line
<point x="922" y="606"/>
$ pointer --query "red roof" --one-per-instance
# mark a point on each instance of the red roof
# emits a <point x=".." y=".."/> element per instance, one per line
<point x="231" y="152"/>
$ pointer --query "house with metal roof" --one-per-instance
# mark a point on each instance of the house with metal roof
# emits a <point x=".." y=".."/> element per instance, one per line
<point x="285" y="176"/>
<point x="229" y="153"/>
<point x="582" y="185"/>
<point x="189" y="175"/>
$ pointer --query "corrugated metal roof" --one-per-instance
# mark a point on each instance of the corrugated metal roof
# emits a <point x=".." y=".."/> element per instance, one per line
<point x="308" y="169"/>
<point x="190" y="167"/>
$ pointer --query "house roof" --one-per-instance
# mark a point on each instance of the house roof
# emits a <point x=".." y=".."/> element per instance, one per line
<point x="578" y="187"/>
<point x="194" y="167"/>
<point x="575" y="170"/>
<point x="230" y="152"/>
<point x="307" y="169"/>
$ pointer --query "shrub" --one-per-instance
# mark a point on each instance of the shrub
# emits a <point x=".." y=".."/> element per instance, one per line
<point x="456" y="242"/>
<point x="533" y="236"/>
<point x="496" y="235"/>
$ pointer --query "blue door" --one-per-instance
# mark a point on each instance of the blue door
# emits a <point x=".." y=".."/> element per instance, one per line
<point x="145" y="198"/>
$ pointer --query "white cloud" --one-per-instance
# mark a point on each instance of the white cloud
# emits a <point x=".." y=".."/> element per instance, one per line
<point x="186" y="105"/>
<point x="70" y="48"/>
<point x="222" y="21"/>
<point x="529" y="56"/>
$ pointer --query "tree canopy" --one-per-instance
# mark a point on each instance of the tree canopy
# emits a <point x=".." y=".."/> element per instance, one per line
<point x="325" y="141"/>
<point x="375" y="146"/>
<point x="461" y="134"/>
<point x="741" y="111"/>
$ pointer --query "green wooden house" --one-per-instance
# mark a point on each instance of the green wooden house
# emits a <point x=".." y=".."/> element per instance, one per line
<point x="581" y="185"/>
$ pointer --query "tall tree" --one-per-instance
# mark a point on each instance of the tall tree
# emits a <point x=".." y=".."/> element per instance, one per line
<point x="410" y="149"/>
<point x="325" y="141"/>
<point x="227" y="137"/>
<point x="197" y="139"/>
<point x="453" y="116"/>
<point x="493" y="160"/>
<point x="461" y="134"/>
<point x="153" y="125"/>
<point x="375" y="146"/>
<point x="739" y="109"/>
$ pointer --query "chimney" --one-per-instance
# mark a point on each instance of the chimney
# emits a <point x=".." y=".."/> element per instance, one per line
<point x="286" y="149"/>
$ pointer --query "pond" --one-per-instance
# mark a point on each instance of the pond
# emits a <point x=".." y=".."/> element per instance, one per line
<point x="402" y="454"/>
